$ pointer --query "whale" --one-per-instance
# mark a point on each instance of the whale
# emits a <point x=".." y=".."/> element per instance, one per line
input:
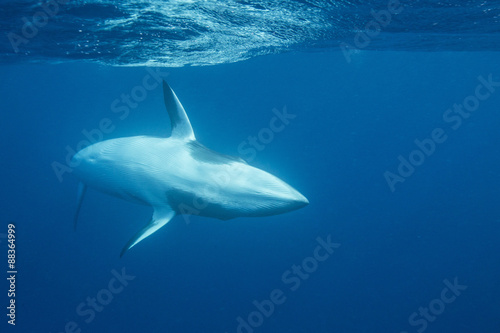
<point x="177" y="175"/>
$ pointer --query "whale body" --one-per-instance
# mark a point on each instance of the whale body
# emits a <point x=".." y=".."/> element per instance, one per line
<point x="178" y="175"/>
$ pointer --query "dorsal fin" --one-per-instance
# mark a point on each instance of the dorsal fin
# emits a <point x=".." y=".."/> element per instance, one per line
<point x="181" y="127"/>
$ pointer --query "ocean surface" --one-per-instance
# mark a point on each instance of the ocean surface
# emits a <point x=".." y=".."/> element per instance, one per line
<point x="391" y="130"/>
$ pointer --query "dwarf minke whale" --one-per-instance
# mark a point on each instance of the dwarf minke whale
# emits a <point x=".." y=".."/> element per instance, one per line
<point x="178" y="175"/>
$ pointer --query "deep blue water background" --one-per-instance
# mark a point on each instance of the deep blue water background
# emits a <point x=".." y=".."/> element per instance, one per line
<point x="353" y="120"/>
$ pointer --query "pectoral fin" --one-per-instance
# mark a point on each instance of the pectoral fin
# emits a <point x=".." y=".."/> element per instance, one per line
<point x="82" y="188"/>
<point x="161" y="216"/>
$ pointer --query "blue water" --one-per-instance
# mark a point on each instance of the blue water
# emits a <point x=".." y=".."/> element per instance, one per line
<point x="414" y="249"/>
<point x="177" y="33"/>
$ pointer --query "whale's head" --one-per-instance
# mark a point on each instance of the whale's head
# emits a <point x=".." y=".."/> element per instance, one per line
<point x="265" y="193"/>
<point x="254" y="192"/>
<point x="237" y="189"/>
